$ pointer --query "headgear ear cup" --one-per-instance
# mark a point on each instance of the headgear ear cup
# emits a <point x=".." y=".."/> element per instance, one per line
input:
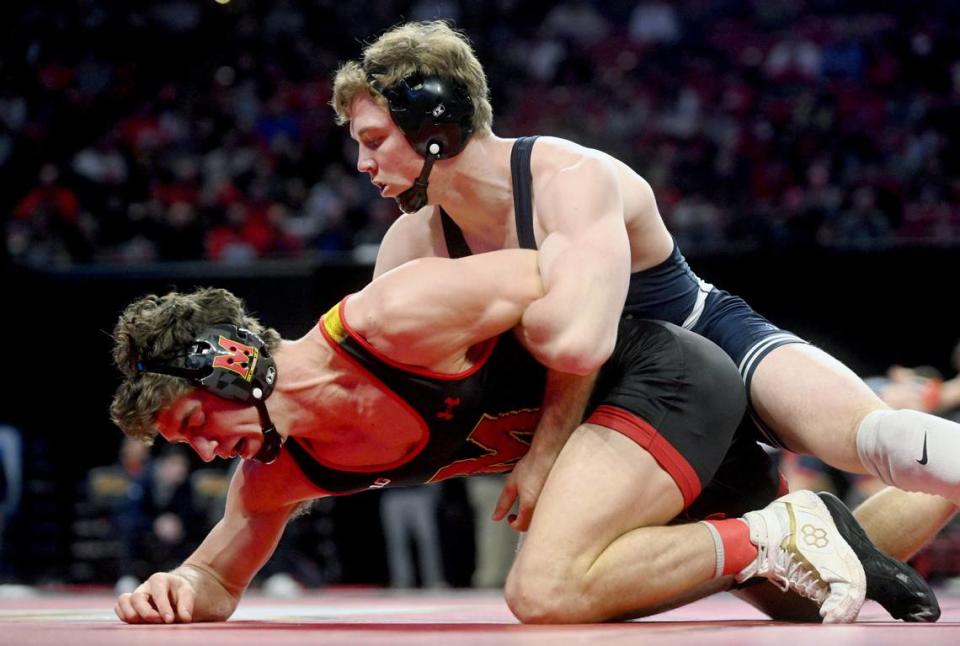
<point x="233" y="363"/>
<point x="435" y="115"/>
<point x="430" y="109"/>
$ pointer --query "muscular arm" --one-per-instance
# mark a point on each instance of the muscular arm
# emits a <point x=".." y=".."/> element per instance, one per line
<point x="431" y="309"/>
<point x="585" y="267"/>
<point x="585" y="264"/>
<point x="565" y="399"/>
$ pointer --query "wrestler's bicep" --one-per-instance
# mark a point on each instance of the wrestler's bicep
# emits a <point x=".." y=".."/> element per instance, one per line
<point x="585" y="268"/>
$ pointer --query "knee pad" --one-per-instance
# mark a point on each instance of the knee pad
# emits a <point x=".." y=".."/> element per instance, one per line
<point x="912" y="450"/>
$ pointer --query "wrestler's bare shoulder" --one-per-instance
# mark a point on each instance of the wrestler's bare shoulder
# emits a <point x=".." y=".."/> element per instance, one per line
<point x="412" y="235"/>
<point x="553" y="154"/>
<point x="562" y="164"/>
<point x="412" y="226"/>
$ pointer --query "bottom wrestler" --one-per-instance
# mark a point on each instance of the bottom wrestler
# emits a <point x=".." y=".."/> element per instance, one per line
<point x="411" y="381"/>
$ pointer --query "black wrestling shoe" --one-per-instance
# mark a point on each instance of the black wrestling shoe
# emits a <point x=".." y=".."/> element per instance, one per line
<point x="894" y="585"/>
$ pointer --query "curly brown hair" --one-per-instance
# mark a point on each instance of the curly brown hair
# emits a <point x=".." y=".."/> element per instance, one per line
<point x="426" y="47"/>
<point x="161" y="326"/>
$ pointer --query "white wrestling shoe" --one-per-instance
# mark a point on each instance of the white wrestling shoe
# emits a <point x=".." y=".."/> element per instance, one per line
<point x="800" y="549"/>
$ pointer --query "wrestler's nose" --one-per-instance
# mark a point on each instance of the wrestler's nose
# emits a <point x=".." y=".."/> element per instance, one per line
<point x="206" y="449"/>
<point x="365" y="164"/>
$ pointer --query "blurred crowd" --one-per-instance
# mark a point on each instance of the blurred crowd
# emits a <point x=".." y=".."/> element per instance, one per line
<point x="148" y="510"/>
<point x="182" y="130"/>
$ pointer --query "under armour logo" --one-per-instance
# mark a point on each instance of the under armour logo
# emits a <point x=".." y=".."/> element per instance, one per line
<point x="437" y="111"/>
<point x="447" y="413"/>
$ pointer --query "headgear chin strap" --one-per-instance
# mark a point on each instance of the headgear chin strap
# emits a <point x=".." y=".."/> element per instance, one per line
<point x="232" y="363"/>
<point x="415" y="198"/>
<point x="435" y="115"/>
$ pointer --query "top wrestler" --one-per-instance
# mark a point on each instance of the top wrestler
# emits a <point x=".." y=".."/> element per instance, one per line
<point x="407" y="381"/>
<point x="417" y="106"/>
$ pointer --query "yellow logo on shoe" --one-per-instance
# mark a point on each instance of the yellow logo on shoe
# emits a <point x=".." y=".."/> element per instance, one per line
<point x="814" y="536"/>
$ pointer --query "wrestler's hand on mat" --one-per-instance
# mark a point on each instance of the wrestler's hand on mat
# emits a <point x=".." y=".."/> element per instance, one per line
<point x="523" y="486"/>
<point x="164" y="598"/>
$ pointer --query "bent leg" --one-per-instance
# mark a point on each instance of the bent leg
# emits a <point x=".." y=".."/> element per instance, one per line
<point x="816" y="405"/>
<point x="813" y="403"/>
<point x="597" y="548"/>
<point x="885" y="514"/>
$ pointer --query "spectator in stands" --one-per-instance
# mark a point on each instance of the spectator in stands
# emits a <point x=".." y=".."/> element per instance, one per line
<point x="48" y="225"/>
<point x="409" y="517"/>
<point x="735" y="126"/>
<point x="159" y="524"/>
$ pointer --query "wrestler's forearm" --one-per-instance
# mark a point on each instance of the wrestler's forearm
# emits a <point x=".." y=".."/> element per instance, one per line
<point x="565" y="400"/>
<point x="222" y="567"/>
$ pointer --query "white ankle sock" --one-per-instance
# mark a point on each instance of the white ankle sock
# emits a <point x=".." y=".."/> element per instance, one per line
<point x="912" y="450"/>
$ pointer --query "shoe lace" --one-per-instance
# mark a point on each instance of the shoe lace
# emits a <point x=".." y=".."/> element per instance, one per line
<point x="792" y="573"/>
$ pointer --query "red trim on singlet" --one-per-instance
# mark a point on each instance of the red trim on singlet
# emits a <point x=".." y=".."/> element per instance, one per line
<point x="641" y="432"/>
<point x="425" y="438"/>
<point x="487" y="349"/>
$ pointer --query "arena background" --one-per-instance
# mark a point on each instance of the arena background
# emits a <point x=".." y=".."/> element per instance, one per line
<point x="804" y="153"/>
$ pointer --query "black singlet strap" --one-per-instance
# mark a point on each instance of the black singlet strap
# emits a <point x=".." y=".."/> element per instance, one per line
<point x="523" y="191"/>
<point x="457" y="246"/>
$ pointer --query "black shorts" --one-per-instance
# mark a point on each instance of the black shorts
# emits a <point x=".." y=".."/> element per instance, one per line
<point x="747" y="479"/>
<point x="676" y="394"/>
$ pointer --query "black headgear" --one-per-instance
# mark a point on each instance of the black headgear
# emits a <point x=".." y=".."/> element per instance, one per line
<point x="435" y="114"/>
<point x="232" y="363"/>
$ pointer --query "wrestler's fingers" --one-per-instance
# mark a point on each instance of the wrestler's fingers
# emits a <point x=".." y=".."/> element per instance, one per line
<point x="521" y="521"/>
<point x="183" y="597"/>
<point x="143" y="607"/>
<point x="507" y="497"/>
<point x="160" y="593"/>
<point x="124" y="609"/>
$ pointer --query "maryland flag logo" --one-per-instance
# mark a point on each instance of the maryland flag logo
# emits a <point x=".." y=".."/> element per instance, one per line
<point x="242" y="358"/>
<point x="495" y="445"/>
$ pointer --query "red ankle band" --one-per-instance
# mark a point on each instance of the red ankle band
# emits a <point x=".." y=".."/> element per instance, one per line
<point x="734" y="546"/>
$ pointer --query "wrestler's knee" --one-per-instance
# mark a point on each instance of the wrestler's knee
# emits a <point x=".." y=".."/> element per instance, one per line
<point x="537" y="597"/>
<point x="547" y="591"/>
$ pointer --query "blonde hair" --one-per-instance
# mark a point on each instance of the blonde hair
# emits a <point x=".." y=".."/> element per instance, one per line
<point x="162" y="326"/>
<point x="430" y="48"/>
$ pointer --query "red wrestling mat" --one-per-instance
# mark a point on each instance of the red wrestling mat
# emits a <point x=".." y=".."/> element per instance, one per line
<point x="449" y="617"/>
